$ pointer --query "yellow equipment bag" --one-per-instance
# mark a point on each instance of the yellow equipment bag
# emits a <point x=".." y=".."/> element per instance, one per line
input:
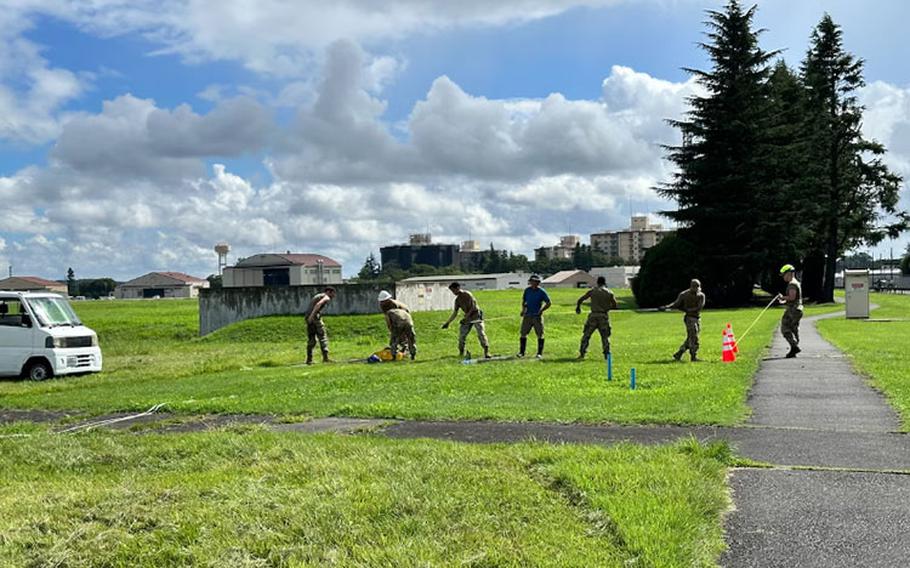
<point x="386" y="355"/>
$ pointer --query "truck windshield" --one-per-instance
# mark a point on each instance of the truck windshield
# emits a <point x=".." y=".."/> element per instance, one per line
<point x="53" y="311"/>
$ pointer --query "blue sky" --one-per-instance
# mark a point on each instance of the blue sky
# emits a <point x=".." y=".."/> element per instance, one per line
<point x="389" y="137"/>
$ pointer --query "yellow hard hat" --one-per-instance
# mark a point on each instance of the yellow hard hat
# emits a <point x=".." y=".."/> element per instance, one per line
<point x="787" y="268"/>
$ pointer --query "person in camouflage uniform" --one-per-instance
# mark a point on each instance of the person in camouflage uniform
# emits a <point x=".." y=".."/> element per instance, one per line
<point x="401" y="325"/>
<point x="691" y="302"/>
<point x="473" y="319"/>
<point x="602" y="301"/>
<point x="315" y="329"/>
<point x="793" y="313"/>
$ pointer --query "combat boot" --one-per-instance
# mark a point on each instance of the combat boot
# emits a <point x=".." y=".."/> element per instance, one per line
<point x="695" y="358"/>
<point x="325" y="357"/>
<point x="309" y="356"/>
<point x="678" y="355"/>
<point x="792" y="353"/>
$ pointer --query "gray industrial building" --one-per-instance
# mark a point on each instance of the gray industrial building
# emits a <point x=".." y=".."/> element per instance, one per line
<point x="419" y="250"/>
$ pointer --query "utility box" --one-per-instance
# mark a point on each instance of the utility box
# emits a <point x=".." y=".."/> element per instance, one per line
<point x="856" y="287"/>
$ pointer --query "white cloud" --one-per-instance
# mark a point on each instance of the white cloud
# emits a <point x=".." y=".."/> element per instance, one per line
<point x="887" y="120"/>
<point x="33" y="94"/>
<point x="282" y="36"/>
<point x="133" y="139"/>
<point x="128" y="190"/>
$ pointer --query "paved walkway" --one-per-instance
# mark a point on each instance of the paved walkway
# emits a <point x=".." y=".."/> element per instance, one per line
<point x="822" y="518"/>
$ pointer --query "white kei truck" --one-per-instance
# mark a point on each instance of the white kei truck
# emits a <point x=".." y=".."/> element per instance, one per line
<point x="41" y="337"/>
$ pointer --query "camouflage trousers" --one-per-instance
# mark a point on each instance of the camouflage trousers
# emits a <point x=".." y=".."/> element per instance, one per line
<point x="403" y="336"/>
<point x="599" y="323"/>
<point x="316" y="332"/>
<point x="465" y="329"/>
<point x="789" y="326"/>
<point x="693" y="328"/>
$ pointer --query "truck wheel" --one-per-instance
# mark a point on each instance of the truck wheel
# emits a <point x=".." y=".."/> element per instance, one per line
<point x="38" y="371"/>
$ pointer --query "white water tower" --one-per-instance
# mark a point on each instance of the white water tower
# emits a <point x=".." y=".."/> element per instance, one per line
<point x="222" y="249"/>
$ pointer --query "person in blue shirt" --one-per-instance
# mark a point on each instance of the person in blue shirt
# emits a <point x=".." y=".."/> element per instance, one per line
<point x="534" y="303"/>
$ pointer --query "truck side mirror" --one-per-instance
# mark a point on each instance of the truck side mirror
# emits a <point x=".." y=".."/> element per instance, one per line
<point x="26" y="320"/>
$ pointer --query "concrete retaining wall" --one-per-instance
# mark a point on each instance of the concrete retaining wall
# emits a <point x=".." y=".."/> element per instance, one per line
<point x="221" y="307"/>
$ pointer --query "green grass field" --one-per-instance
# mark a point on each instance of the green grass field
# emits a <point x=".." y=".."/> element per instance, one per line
<point x="252" y="498"/>
<point x="152" y="355"/>
<point x="879" y="349"/>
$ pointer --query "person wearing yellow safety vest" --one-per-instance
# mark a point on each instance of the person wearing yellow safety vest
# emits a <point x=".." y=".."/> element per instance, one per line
<point x="793" y="298"/>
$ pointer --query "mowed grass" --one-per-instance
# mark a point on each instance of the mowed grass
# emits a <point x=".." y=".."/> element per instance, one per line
<point x="254" y="498"/>
<point x="152" y="355"/>
<point x="879" y="349"/>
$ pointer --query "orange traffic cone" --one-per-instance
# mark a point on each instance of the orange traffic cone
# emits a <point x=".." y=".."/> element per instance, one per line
<point x="730" y="333"/>
<point x="729" y="354"/>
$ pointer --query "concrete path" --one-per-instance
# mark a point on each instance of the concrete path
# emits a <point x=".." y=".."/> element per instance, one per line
<point x="818" y="390"/>
<point x="821" y="518"/>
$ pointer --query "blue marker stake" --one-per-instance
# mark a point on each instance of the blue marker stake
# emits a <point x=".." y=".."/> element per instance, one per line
<point x="632" y="378"/>
<point x="609" y="366"/>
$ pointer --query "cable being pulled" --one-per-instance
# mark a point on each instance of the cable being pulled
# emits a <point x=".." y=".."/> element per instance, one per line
<point x="92" y="425"/>
<point x="743" y="336"/>
<point x="87" y="426"/>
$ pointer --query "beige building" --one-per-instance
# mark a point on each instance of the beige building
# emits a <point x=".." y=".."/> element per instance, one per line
<point x="569" y="279"/>
<point x="32" y="284"/>
<point x="289" y="269"/>
<point x="564" y="250"/>
<point x="632" y="243"/>
<point x="161" y="285"/>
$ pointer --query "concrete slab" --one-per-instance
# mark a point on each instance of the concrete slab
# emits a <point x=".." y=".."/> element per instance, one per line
<point x="814" y="518"/>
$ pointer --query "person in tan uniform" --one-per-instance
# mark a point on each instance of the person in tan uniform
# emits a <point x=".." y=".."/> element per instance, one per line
<point x="602" y="301"/>
<point x="793" y="298"/>
<point x="401" y="325"/>
<point x="315" y="329"/>
<point x="473" y="318"/>
<point x="691" y="302"/>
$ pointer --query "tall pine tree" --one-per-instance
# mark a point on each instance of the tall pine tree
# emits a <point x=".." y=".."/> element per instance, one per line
<point x="785" y="199"/>
<point x="718" y="186"/>
<point x="848" y="178"/>
<point x="371" y="269"/>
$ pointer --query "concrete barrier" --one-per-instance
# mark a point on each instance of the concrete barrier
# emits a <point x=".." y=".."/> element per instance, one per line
<point x="221" y="307"/>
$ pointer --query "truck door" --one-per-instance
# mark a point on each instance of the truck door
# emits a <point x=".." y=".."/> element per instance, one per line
<point x="16" y="336"/>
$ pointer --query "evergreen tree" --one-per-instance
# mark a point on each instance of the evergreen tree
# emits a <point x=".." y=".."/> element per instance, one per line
<point x="855" y="188"/>
<point x="371" y="269"/>
<point x="495" y="262"/>
<point x="71" y="282"/>
<point x="718" y="186"/>
<point x="781" y="236"/>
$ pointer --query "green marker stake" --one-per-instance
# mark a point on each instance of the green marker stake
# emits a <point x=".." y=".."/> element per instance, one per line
<point x="609" y="366"/>
<point x="632" y="378"/>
